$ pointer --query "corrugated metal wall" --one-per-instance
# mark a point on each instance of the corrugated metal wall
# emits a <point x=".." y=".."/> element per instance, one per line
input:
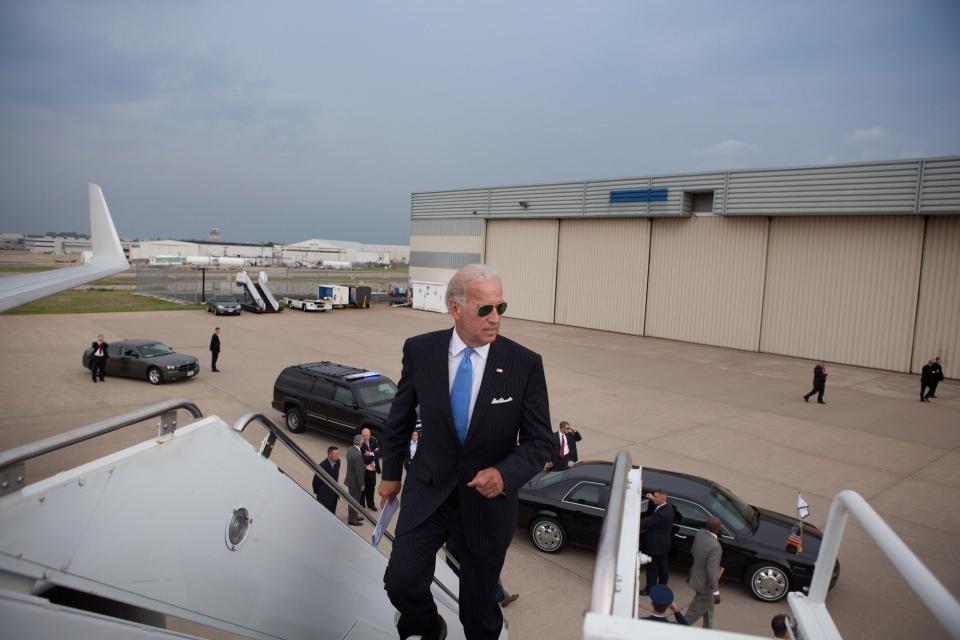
<point x="890" y="187"/>
<point x="551" y="200"/>
<point x="843" y="289"/>
<point x="941" y="186"/>
<point x="706" y="280"/>
<point x="938" y="314"/>
<point x="446" y="204"/>
<point x="525" y="254"/>
<point x="602" y="274"/>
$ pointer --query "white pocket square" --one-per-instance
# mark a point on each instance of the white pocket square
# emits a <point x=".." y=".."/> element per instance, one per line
<point x="502" y="400"/>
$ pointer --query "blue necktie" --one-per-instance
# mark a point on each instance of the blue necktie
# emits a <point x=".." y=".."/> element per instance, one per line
<point x="460" y="395"/>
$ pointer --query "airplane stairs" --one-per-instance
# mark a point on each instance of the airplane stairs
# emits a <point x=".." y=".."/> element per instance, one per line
<point x="257" y="296"/>
<point x="198" y="524"/>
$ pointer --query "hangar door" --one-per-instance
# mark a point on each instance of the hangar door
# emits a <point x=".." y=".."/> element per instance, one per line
<point x="525" y="254"/>
<point x="602" y="273"/>
<point x="843" y="289"/>
<point x="938" y="314"/>
<point x="706" y="280"/>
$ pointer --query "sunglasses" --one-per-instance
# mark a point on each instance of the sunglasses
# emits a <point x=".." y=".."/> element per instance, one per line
<point x="484" y="310"/>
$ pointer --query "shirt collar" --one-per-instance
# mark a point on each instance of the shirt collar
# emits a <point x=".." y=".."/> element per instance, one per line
<point x="457" y="346"/>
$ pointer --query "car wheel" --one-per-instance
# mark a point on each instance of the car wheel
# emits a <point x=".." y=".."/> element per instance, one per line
<point x="154" y="376"/>
<point x="547" y="534"/>
<point x="768" y="582"/>
<point x="294" y="420"/>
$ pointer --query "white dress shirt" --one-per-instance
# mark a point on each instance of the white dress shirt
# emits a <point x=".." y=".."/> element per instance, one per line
<point x="479" y="362"/>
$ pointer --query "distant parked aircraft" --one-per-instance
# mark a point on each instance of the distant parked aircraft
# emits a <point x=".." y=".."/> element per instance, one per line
<point x="107" y="260"/>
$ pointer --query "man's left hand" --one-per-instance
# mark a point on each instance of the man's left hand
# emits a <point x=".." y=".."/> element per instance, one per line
<point x="488" y="482"/>
<point x="716" y="599"/>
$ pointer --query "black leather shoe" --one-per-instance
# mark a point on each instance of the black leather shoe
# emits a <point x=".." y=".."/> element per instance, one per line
<point x="821" y="402"/>
<point x="374" y="509"/>
<point x="355" y="523"/>
<point x="643" y="592"/>
<point x="806" y="399"/>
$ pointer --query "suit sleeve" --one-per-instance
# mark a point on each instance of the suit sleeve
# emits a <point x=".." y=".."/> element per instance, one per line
<point x="535" y="441"/>
<point x="713" y="568"/>
<point x="401" y="421"/>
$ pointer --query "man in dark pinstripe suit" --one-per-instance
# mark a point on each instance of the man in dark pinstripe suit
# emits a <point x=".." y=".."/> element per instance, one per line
<point x="463" y="483"/>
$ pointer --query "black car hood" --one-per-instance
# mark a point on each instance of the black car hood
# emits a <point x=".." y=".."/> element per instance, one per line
<point x="773" y="529"/>
<point x="171" y="359"/>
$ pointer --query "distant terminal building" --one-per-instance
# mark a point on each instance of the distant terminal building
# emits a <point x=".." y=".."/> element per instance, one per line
<point x="308" y="251"/>
<point x="854" y="263"/>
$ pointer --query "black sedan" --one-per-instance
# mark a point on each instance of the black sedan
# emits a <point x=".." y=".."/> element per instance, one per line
<point x="561" y="507"/>
<point x="147" y="360"/>
<point x="223" y="304"/>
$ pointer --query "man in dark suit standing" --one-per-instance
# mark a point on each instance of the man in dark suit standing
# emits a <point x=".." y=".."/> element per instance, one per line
<point x="926" y="381"/>
<point x="331" y="465"/>
<point x="565" y="447"/>
<point x="486" y="422"/>
<point x="98" y="359"/>
<point x="657" y="527"/>
<point x="371" y="458"/>
<point x="705" y="574"/>
<point x="215" y="349"/>
<point x="355" y="479"/>
<point x="936" y="375"/>
<point x="819" y="383"/>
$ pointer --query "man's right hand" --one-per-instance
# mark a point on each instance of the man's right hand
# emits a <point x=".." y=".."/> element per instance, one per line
<point x="389" y="489"/>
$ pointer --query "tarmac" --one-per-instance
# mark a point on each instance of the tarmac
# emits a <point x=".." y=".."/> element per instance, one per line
<point x="735" y="417"/>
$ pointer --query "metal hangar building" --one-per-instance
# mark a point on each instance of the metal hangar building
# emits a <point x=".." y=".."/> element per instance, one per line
<point x="852" y="263"/>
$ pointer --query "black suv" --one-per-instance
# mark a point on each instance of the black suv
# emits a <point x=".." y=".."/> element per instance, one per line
<point x="334" y="398"/>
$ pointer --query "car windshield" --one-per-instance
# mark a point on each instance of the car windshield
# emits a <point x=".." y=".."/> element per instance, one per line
<point x="552" y="477"/>
<point x="224" y="299"/>
<point x="731" y="509"/>
<point x="154" y="349"/>
<point x="377" y="393"/>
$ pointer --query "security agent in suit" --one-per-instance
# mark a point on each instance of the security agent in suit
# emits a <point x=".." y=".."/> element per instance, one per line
<point x="331" y="465"/>
<point x="705" y="574"/>
<point x="215" y="349"/>
<point x="565" y="447"/>
<point x="98" y="359"/>
<point x="819" y="383"/>
<point x="657" y="527"/>
<point x="371" y="457"/>
<point x="355" y="479"/>
<point x="936" y="375"/>
<point x="486" y="422"/>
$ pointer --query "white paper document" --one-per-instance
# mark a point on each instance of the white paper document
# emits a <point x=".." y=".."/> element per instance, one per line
<point x="386" y="515"/>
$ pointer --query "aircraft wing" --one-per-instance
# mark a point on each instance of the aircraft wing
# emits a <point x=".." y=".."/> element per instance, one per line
<point x="107" y="260"/>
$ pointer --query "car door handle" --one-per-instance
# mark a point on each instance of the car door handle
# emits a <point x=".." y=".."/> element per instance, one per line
<point x="677" y="535"/>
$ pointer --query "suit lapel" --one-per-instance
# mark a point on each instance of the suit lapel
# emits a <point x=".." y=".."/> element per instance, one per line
<point x="440" y="374"/>
<point x="495" y="361"/>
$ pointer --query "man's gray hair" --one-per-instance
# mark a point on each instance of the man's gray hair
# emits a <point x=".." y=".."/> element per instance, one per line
<point x="457" y="287"/>
<point x="358" y="440"/>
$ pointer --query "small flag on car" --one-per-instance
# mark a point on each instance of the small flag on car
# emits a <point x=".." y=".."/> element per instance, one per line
<point x="795" y="540"/>
<point x="802" y="509"/>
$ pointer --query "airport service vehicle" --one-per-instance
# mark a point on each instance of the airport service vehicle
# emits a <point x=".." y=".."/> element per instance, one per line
<point x="148" y="360"/>
<point x="333" y="397"/>
<point x="360" y="296"/>
<point x="561" y="507"/>
<point x="223" y="304"/>
<point x="323" y="304"/>
<point x="339" y="295"/>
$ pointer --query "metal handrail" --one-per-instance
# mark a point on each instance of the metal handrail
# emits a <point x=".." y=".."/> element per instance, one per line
<point x="605" y="567"/>
<point x="276" y="433"/>
<point x="18" y="455"/>
<point x="930" y="590"/>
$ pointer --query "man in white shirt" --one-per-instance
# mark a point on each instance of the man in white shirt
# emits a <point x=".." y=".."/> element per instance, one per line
<point x="705" y="574"/>
<point x="98" y="359"/>
<point x="565" y="455"/>
<point x="486" y="432"/>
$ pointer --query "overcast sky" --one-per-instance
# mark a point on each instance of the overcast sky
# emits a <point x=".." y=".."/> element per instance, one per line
<point x="291" y="120"/>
